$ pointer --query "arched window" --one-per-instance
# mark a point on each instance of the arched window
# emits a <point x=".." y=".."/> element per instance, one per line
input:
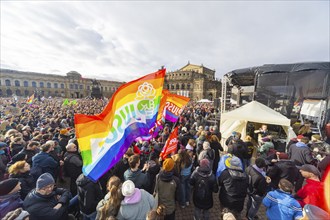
<point x="182" y="86"/>
<point x="168" y="86"/>
<point x="42" y="93"/>
<point x="41" y="84"/>
<point x="172" y="86"/>
<point x="17" y="83"/>
<point x="34" y="84"/>
<point x="7" y="83"/>
<point x="71" y="86"/>
<point x="188" y="86"/>
<point x="26" y="84"/>
<point x="177" y="86"/>
<point x="75" y="86"/>
<point x="56" y="93"/>
<point x="62" y="86"/>
<point x="81" y="86"/>
<point x="9" y="92"/>
<point x="49" y="85"/>
<point x="55" y="85"/>
<point x="26" y="93"/>
<point x="106" y="88"/>
<point x="0" y="92"/>
<point x="18" y="92"/>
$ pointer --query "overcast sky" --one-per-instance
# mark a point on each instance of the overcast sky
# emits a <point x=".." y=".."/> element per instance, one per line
<point x="125" y="40"/>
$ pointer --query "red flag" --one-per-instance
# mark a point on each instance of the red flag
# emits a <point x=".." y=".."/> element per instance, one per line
<point x="171" y="144"/>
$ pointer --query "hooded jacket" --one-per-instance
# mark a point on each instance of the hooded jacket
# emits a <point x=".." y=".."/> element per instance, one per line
<point x="89" y="194"/>
<point x="167" y="187"/>
<point x="300" y="154"/>
<point x="136" y="206"/>
<point x="46" y="162"/>
<point x="42" y="206"/>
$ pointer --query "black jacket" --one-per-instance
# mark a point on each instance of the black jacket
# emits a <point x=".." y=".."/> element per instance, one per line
<point x="211" y="183"/>
<point x="89" y="194"/>
<point x="300" y="154"/>
<point x="233" y="185"/>
<point x="27" y="183"/>
<point x="258" y="184"/>
<point x="282" y="169"/>
<point x="42" y="207"/>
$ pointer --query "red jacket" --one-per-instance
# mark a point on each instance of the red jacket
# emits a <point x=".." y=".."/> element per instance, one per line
<point x="312" y="193"/>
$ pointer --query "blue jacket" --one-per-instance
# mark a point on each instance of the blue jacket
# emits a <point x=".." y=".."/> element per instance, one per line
<point x="46" y="162"/>
<point x="282" y="206"/>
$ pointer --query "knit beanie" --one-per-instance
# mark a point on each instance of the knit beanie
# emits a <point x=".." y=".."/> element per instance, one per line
<point x="45" y="180"/>
<point x="204" y="163"/>
<point x="168" y="164"/>
<point x="7" y="186"/>
<point x="128" y="188"/>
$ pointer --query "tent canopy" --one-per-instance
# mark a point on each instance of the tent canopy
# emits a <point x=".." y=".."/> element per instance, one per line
<point x="254" y="111"/>
<point x="204" y="101"/>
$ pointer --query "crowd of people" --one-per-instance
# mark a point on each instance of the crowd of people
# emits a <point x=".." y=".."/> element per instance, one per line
<point x="39" y="153"/>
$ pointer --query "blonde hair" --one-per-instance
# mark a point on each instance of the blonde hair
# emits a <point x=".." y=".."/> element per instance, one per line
<point x="248" y="138"/>
<point x="17" y="167"/>
<point x="112" y="205"/>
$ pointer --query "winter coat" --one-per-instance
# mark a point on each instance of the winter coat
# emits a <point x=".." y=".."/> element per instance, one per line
<point x="300" y="154"/>
<point x="141" y="180"/>
<point x="9" y="203"/>
<point x="216" y="146"/>
<point x="138" y="207"/>
<point x="168" y="189"/>
<point x="210" y="182"/>
<point x="72" y="164"/>
<point x="42" y="206"/>
<point x="265" y="149"/>
<point x="233" y="188"/>
<point x="27" y="183"/>
<point x="258" y="184"/>
<point x="282" y="206"/>
<point x="282" y="169"/>
<point x="46" y="162"/>
<point x="312" y="193"/>
<point x="89" y="194"/>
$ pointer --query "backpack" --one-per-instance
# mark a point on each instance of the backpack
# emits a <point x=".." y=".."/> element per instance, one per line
<point x="202" y="188"/>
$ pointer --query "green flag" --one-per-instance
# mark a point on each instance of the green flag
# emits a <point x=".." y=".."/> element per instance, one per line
<point x="73" y="102"/>
<point x="65" y="102"/>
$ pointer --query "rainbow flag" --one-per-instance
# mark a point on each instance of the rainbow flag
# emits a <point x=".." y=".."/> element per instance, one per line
<point x="132" y="111"/>
<point x="30" y="100"/>
<point x="174" y="106"/>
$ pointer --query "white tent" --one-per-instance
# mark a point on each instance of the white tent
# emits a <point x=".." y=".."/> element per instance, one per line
<point x="204" y="101"/>
<point x="254" y="111"/>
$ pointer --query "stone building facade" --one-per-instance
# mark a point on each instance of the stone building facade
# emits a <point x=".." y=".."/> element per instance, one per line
<point x="194" y="81"/>
<point x="72" y="85"/>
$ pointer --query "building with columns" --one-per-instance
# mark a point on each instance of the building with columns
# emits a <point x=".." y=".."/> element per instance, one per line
<point x="194" y="81"/>
<point x="71" y="85"/>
